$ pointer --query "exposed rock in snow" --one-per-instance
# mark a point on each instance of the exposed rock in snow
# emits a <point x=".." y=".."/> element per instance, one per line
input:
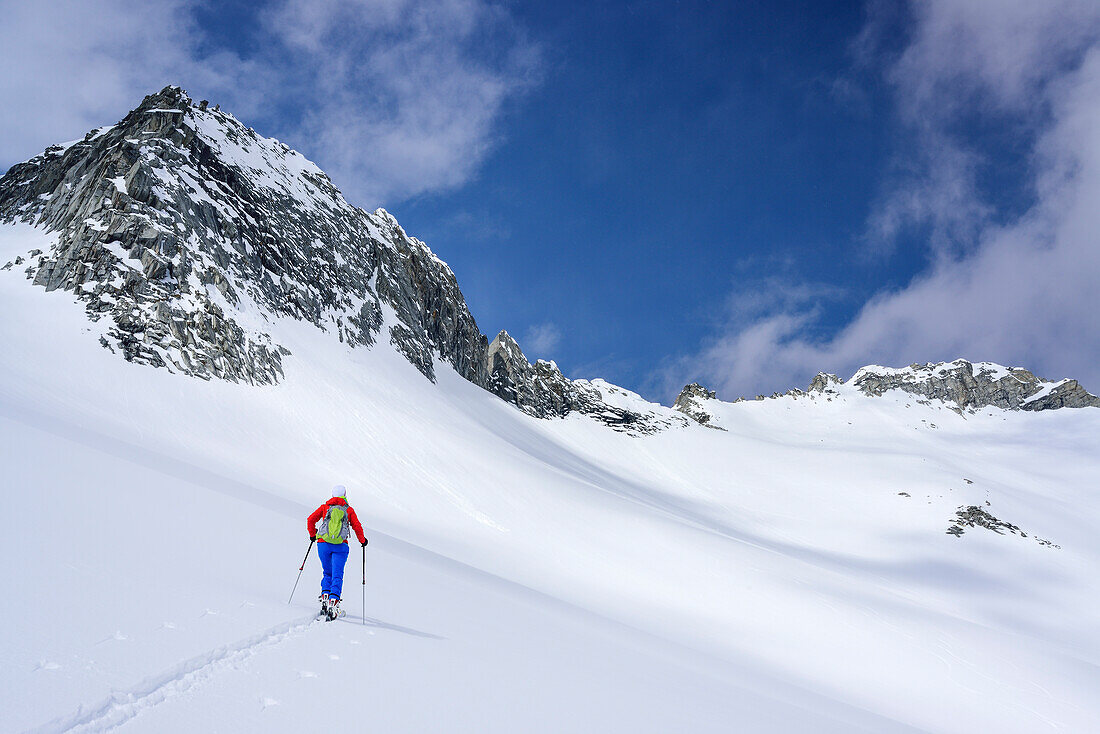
<point x="966" y="386"/>
<point x="192" y="234"/>
<point x="540" y="389"/>
<point x="823" y="382"/>
<point x="975" y="385"/>
<point x="543" y="391"/>
<point x="691" y="400"/>
<point x="974" y="516"/>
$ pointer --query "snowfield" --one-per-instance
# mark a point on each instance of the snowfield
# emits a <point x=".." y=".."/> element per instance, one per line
<point x="789" y="573"/>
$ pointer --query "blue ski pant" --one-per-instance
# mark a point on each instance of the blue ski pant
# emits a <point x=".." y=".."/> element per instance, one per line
<point x="333" y="557"/>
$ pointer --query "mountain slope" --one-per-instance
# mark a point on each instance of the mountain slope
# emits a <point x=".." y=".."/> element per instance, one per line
<point x="782" y="548"/>
<point x="178" y="222"/>
<point x="191" y="233"/>
<point x="795" y="571"/>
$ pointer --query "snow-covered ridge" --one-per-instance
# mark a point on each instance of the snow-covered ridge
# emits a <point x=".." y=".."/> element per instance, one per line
<point x="830" y="562"/>
<point x="809" y="531"/>
<point x="962" y="385"/>
<point x="192" y="238"/>
<point x="975" y="385"/>
<point x="196" y="236"/>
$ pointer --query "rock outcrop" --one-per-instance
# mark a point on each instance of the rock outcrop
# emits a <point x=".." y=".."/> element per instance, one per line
<point x="974" y="516"/>
<point x="963" y="385"/>
<point x="971" y="386"/>
<point x="539" y="389"/>
<point x="823" y="382"/>
<point x="190" y="234"/>
<point x="690" y="402"/>
<point x="178" y="219"/>
<point x="542" y="390"/>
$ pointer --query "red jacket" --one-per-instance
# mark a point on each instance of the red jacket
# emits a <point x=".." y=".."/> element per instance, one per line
<point x="353" y="520"/>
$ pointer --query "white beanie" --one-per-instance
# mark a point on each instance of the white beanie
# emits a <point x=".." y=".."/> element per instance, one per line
<point x="339" y="491"/>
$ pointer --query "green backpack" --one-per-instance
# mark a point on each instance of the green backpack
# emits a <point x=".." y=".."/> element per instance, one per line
<point x="335" y="527"/>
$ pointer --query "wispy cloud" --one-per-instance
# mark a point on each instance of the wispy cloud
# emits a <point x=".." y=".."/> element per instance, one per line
<point x="482" y="225"/>
<point x="402" y="95"/>
<point x="762" y="335"/>
<point x="70" y="66"/>
<point x="1021" y="291"/>
<point x="991" y="59"/>
<point x="541" y="340"/>
<point x="393" y="98"/>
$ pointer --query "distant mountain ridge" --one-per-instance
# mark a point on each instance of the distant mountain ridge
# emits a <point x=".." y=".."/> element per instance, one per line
<point x="972" y="386"/>
<point x="962" y="385"/>
<point x="192" y="235"/>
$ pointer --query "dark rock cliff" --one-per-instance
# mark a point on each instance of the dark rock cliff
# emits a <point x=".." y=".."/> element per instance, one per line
<point x="178" y="218"/>
<point x="191" y="234"/>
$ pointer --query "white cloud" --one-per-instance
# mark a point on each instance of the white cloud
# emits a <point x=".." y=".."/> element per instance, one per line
<point x="392" y="97"/>
<point x="998" y="57"/>
<point x="1022" y="292"/>
<point x="402" y="95"/>
<point x="70" y="66"/>
<point x="541" y="340"/>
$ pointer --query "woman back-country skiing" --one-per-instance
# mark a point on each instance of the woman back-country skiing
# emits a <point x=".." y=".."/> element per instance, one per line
<point x="336" y="517"/>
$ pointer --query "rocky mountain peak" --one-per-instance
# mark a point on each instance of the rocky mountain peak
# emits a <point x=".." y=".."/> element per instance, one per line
<point x="510" y="374"/>
<point x="188" y="236"/>
<point x="506" y="346"/>
<point x="179" y="220"/>
<point x="964" y="385"/>
<point x="974" y="385"/>
<point x="691" y="402"/>
<point x="823" y="382"/>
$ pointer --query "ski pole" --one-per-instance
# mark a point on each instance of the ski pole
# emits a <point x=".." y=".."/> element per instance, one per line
<point x="300" y="569"/>
<point x="364" y="583"/>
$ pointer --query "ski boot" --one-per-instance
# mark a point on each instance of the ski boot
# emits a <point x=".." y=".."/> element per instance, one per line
<point x="334" y="609"/>
<point x="323" y="598"/>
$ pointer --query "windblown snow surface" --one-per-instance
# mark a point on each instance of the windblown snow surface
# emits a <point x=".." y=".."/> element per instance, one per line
<point x="790" y="573"/>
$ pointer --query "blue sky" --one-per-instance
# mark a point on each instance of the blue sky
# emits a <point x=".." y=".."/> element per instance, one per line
<point x="739" y="193"/>
<point x="670" y="155"/>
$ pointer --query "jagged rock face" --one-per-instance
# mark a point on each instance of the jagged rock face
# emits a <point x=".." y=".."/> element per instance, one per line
<point x="172" y="222"/>
<point x="976" y="385"/>
<point x="191" y="234"/>
<point x="542" y="390"/>
<point x="823" y="382"/>
<point x="509" y="370"/>
<point x="690" y="402"/>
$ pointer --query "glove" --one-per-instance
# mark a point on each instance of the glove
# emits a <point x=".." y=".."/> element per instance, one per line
<point x="364" y="543"/>
<point x="312" y="538"/>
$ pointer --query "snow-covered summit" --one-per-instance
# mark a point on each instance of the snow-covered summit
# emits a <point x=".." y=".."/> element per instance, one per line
<point x="973" y="385"/>
<point x="191" y="236"/>
<point x="195" y="236"/>
<point x="830" y="562"/>
<point x="961" y="385"/>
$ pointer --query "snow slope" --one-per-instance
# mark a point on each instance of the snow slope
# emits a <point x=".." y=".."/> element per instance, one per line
<point x="524" y="574"/>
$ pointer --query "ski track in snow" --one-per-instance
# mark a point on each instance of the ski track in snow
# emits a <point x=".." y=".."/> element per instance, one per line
<point x="792" y="560"/>
<point x="123" y="706"/>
